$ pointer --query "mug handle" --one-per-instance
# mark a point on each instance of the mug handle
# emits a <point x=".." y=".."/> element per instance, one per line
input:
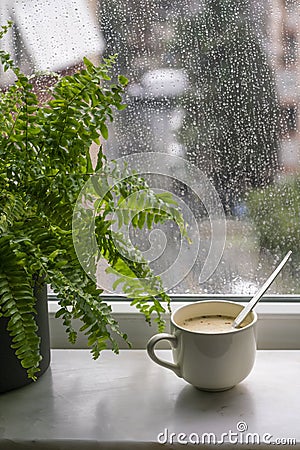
<point x="151" y="351"/>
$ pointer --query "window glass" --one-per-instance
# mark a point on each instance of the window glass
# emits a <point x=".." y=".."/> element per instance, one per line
<point x="213" y="85"/>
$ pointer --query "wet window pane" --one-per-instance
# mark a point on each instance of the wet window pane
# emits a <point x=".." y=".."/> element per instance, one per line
<point x="214" y="85"/>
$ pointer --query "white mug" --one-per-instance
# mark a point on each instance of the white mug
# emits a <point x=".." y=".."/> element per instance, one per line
<point x="209" y="361"/>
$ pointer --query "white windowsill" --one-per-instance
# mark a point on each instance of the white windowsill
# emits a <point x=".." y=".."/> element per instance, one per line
<point x="126" y="402"/>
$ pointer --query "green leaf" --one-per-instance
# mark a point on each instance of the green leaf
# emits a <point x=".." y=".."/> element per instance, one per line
<point x="123" y="80"/>
<point x="104" y="130"/>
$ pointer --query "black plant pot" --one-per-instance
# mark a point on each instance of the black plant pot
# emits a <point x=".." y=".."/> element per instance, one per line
<point x="12" y="374"/>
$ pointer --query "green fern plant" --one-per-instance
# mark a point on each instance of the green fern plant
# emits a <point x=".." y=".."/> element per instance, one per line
<point x="44" y="163"/>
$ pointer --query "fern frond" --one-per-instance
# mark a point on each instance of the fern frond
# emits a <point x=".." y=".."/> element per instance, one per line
<point x="17" y="302"/>
<point x="94" y="313"/>
<point x="44" y="164"/>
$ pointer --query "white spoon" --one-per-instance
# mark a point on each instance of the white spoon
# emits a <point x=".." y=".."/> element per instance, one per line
<point x="245" y="311"/>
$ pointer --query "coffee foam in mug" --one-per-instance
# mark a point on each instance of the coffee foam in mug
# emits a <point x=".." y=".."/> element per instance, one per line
<point x="217" y="323"/>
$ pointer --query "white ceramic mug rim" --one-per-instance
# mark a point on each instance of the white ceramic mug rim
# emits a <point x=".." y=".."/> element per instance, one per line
<point x="234" y="330"/>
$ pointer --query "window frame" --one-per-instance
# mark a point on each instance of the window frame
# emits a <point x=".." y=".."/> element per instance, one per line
<point x="277" y="329"/>
<point x="279" y="316"/>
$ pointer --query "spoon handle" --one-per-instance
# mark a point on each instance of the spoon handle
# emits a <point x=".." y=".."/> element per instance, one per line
<point x="245" y="311"/>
